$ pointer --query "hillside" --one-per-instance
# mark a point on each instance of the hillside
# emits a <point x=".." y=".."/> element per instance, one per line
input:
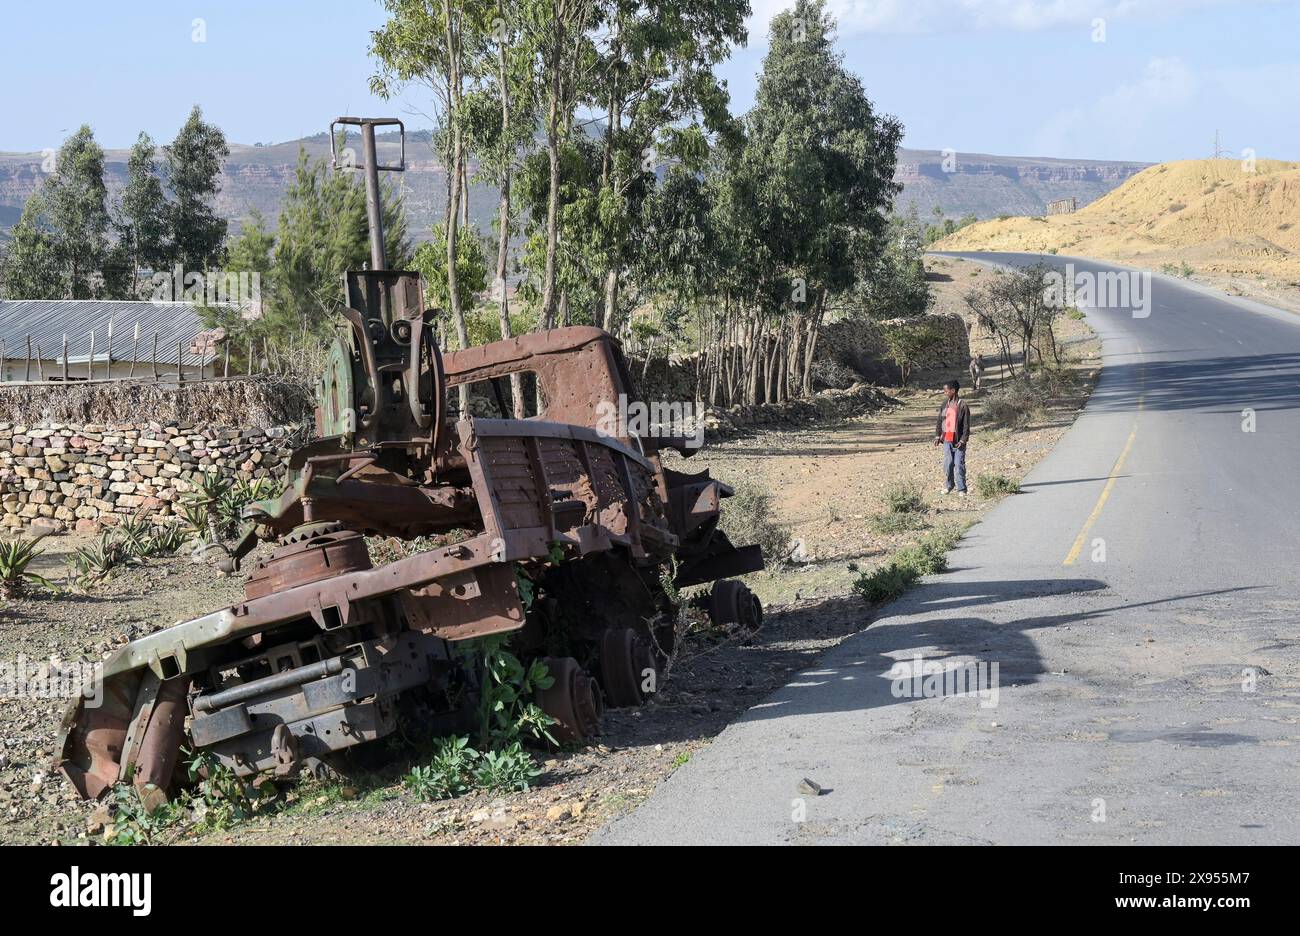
<point x="1207" y="214"/>
<point x="256" y="178"/>
<point x="989" y="186"/>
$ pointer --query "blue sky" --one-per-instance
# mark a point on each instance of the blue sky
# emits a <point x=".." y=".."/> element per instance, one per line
<point x="1014" y="77"/>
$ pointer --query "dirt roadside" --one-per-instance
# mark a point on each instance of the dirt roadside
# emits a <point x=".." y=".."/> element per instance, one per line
<point x="830" y="479"/>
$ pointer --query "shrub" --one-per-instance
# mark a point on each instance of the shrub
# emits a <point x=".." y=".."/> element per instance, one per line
<point x="457" y="768"/>
<point x="996" y="485"/>
<point x="890" y="523"/>
<point x="449" y="774"/>
<point x="902" y="497"/>
<point x="905" y="567"/>
<point x="833" y="375"/>
<point x="884" y="584"/>
<point x="748" y="517"/>
<point x="1016" y="403"/>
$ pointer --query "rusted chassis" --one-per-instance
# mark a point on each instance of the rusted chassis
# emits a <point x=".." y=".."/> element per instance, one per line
<point x="315" y="659"/>
<point x="327" y="652"/>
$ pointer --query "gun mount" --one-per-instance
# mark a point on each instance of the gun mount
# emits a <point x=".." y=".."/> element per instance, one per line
<point x="328" y="651"/>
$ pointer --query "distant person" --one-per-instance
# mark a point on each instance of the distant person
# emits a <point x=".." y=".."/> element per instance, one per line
<point x="976" y="371"/>
<point x="952" y="431"/>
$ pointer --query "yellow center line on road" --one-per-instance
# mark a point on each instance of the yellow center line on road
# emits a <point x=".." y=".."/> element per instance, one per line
<point x="1110" y="479"/>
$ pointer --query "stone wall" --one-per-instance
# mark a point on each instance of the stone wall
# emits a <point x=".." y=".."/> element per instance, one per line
<point x="56" y="476"/>
<point x="859" y="344"/>
<point x="827" y="405"/>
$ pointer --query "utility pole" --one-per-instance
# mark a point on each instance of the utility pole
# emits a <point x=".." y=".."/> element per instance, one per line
<point x="1219" y="152"/>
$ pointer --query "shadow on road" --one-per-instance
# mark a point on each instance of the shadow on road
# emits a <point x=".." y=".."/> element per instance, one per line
<point x="856" y="675"/>
<point x="1216" y="384"/>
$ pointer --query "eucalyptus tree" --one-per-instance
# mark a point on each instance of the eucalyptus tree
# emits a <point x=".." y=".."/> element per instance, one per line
<point x="817" y="176"/>
<point x="142" y="213"/>
<point x="74" y="212"/>
<point x="30" y="268"/>
<point x="558" y="38"/>
<point x="192" y="166"/>
<point x="652" y="84"/>
<point x="500" y="122"/>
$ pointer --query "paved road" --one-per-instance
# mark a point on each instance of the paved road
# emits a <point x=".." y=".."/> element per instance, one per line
<point x="1125" y="709"/>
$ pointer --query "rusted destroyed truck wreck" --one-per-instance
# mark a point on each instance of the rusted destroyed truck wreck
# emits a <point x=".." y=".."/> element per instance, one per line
<point x="327" y="651"/>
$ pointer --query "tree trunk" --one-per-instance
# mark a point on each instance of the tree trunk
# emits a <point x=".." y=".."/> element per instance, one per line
<point x="810" y="347"/>
<point x="549" y="297"/>
<point x="611" y="323"/>
<point x="503" y="219"/>
<point x="457" y="168"/>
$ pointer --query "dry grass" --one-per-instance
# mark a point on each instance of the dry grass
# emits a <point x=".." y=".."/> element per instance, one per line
<point x="255" y="402"/>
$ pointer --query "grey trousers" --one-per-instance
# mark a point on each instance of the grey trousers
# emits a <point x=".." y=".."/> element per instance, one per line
<point x="954" y="467"/>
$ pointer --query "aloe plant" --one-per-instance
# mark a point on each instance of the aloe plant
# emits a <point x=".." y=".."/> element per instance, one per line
<point x="134" y="534"/>
<point x="15" y="557"/>
<point x="211" y="489"/>
<point x="97" y="558"/>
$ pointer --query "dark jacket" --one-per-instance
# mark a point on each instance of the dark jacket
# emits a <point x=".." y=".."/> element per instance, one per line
<point x="963" y="420"/>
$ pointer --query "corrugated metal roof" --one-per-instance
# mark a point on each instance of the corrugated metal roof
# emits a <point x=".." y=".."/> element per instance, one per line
<point x="47" y="321"/>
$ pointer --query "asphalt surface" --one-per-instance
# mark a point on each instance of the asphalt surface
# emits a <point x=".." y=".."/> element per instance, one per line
<point x="1141" y="600"/>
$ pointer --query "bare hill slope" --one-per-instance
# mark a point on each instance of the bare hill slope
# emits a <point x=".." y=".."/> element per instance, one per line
<point x="1209" y="214"/>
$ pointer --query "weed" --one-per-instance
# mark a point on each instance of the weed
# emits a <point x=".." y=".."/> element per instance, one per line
<point x="905" y="567"/>
<point x="219" y="798"/>
<point x="136" y="822"/>
<point x="904" y="497"/>
<point x="448" y="775"/>
<point x="457" y="768"/>
<point x="509" y="770"/>
<point x="748" y="517"/>
<point x="888" y="524"/>
<point x="506" y="688"/>
<point x="996" y="485"/>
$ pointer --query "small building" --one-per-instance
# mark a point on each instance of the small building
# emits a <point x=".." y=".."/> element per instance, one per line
<point x="1063" y="206"/>
<point x="104" y="340"/>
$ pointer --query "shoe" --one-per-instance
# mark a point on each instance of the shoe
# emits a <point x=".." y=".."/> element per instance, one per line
<point x="945" y="491"/>
<point x="961" y="493"/>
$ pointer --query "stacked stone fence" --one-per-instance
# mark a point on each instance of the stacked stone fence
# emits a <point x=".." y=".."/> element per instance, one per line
<point x="56" y="476"/>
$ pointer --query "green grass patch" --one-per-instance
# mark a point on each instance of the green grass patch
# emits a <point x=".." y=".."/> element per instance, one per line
<point x="927" y="556"/>
<point x="904" y="497"/>
<point x="996" y="485"/>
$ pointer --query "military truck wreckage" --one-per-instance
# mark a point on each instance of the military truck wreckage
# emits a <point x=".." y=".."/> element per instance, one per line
<point x="327" y="651"/>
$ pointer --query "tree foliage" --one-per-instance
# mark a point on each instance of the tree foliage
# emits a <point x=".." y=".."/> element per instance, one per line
<point x="192" y="170"/>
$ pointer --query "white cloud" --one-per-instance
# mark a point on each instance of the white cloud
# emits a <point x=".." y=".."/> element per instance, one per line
<point x="916" y="17"/>
<point x="1166" y="87"/>
<point x="1172" y="111"/>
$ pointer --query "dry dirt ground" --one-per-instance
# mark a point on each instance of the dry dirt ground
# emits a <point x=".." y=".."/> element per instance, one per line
<point x="829" y="479"/>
